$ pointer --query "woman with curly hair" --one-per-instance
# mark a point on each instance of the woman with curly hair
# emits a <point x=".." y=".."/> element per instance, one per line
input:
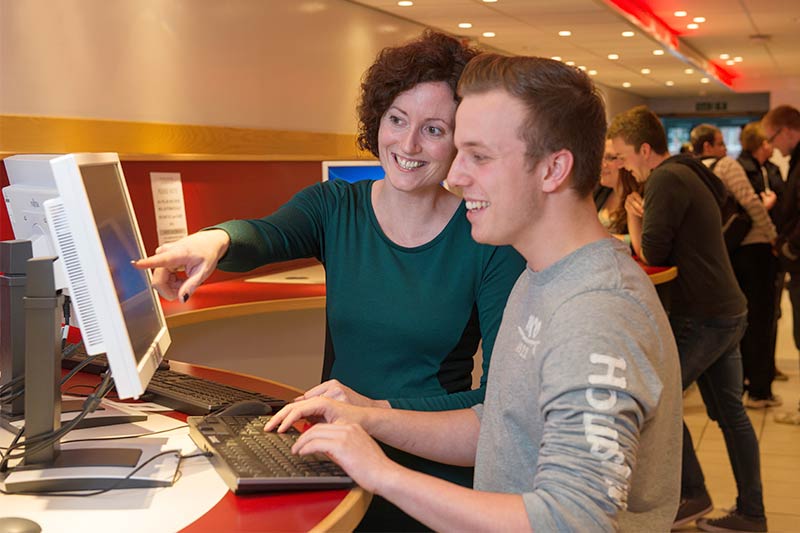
<point x="409" y="293"/>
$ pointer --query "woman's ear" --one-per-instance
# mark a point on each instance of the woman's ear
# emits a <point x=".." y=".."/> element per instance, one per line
<point x="558" y="170"/>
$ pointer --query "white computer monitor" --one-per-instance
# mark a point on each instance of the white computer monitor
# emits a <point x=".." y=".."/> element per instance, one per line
<point x="352" y="171"/>
<point x="94" y="232"/>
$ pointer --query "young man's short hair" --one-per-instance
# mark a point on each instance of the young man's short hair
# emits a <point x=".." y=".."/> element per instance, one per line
<point x="783" y="116"/>
<point x="637" y="126"/>
<point x="565" y="110"/>
<point x="752" y="137"/>
<point x="702" y="134"/>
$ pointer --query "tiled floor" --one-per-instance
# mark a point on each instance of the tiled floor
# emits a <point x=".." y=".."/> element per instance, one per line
<point x="779" y="443"/>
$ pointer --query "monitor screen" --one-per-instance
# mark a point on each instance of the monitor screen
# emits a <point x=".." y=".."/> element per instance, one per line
<point x="352" y="171"/>
<point x="118" y="237"/>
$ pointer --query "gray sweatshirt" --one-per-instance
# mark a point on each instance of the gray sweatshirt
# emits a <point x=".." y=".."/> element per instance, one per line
<point x="583" y="407"/>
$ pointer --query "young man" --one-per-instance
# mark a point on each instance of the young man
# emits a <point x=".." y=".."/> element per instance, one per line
<point x="581" y="425"/>
<point x="782" y="127"/>
<point x="678" y="223"/>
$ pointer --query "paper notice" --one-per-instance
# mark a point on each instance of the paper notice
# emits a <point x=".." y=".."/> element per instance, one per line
<point x="170" y="209"/>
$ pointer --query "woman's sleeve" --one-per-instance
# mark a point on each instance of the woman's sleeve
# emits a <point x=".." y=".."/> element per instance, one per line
<point x="294" y="231"/>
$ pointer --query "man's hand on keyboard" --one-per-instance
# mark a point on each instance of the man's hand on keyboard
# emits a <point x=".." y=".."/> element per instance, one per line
<point x="349" y="446"/>
<point x="314" y="410"/>
<point x="337" y="391"/>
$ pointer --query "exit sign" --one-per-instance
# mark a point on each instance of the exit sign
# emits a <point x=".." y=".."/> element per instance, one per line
<point x="711" y="106"/>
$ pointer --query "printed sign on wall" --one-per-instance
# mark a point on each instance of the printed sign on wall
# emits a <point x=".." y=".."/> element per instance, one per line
<point x="169" y="206"/>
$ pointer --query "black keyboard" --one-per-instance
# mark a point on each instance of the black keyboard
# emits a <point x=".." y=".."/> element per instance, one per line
<point x="250" y="460"/>
<point x="75" y="354"/>
<point x="184" y="393"/>
<point x="198" y="396"/>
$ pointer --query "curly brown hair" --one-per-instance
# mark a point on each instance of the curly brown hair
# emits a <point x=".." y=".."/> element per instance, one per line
<point x="432" y="57"/>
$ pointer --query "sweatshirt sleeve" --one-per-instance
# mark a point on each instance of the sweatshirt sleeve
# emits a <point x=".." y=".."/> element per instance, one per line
<point x="499" y="276"/>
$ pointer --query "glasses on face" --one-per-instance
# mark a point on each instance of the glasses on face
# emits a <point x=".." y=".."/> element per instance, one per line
<point x="772" y="137"/>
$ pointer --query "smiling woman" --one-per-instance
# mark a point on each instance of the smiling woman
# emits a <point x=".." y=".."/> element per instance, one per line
<point x="409" y="293"/>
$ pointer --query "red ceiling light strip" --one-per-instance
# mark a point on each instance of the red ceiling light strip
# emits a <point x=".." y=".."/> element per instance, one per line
<point x="643" y="17"/>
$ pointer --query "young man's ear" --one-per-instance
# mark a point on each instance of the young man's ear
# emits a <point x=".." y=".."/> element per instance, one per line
<point x="645" y="150"/>
<point x="558" y="169"/>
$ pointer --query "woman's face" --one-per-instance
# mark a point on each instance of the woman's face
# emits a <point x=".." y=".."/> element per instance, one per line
<point x="609" y="171"/>
<point x="415" y="138"/>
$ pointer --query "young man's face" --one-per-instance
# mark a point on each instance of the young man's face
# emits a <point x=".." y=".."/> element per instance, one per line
<point x="717" y="148"/>
<point x="502" y="194"/>
<point x="634" y="162"/>
<point x="779" y="137"/>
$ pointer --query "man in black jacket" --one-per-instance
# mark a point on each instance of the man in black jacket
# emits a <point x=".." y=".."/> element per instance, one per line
<point x="678" y="222"/>
<point x="782" y="127"/>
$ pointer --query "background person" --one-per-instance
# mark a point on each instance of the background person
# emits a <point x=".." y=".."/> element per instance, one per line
<point x="765" y="177"/>
<point x="782" y="126"/>
<point x="753" y="263"/>
<point x="409" y="292"/>
<point x="581" y="423"/>
<point x="616" y="183"/>
<point x="678" y="223"/>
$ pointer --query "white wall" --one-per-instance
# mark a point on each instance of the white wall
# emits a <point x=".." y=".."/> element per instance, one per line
<point x="273" y="64"/>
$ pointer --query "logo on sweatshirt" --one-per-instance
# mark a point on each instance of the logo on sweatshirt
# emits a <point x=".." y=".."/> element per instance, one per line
<point x="528" y="343"/>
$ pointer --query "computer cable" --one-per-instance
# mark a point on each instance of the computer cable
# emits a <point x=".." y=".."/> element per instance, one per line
<point x="43" y="440"/>
<point x="8" y="396"/>
<point x="120" y="481"/>
<point x="66" y="312"/>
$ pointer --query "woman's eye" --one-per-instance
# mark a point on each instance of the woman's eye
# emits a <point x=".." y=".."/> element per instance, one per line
<point x="434" y="130"/>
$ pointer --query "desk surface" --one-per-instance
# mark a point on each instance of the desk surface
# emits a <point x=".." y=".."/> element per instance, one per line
<point x="324" y="510"/>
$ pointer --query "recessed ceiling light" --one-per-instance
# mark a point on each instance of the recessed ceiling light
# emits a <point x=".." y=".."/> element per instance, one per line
<point x="699" y="20"/>
<point x="405" y="3"/>
<point x="613" y="57"/>
<point x="570" y="63"/>
<point x="556" y="58"/>
<point x="564" y="33"/>
<point x="724" y="56"/>
<point x="489" y="1"/>
<point x="688" y="71"/>
<point x="738" y="59"/>
<point x="704" y="80"/>
<point x="489" y="34"/>
<point x="465" y="25"/>
<point x="582" y="67"/>
<point x="628" y="34"/>
<point x="626" y="84"/>
<point x="692" y="26"/>
<point x="658" y="52"/>
<point x="592" y="72"/>
<point x="730" y="62"/>
<point x="669" y="83"/>
<point x="680" y="13"/>
<point x="645" y="71"/>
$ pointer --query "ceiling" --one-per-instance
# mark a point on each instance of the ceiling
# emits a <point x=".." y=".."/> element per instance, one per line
<point x="531" y="27"/>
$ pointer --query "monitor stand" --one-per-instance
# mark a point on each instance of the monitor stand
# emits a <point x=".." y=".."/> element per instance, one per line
<point x="48" y="468"/>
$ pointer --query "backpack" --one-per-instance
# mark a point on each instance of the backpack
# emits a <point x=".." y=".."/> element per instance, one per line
<point x="736" y="223"/>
